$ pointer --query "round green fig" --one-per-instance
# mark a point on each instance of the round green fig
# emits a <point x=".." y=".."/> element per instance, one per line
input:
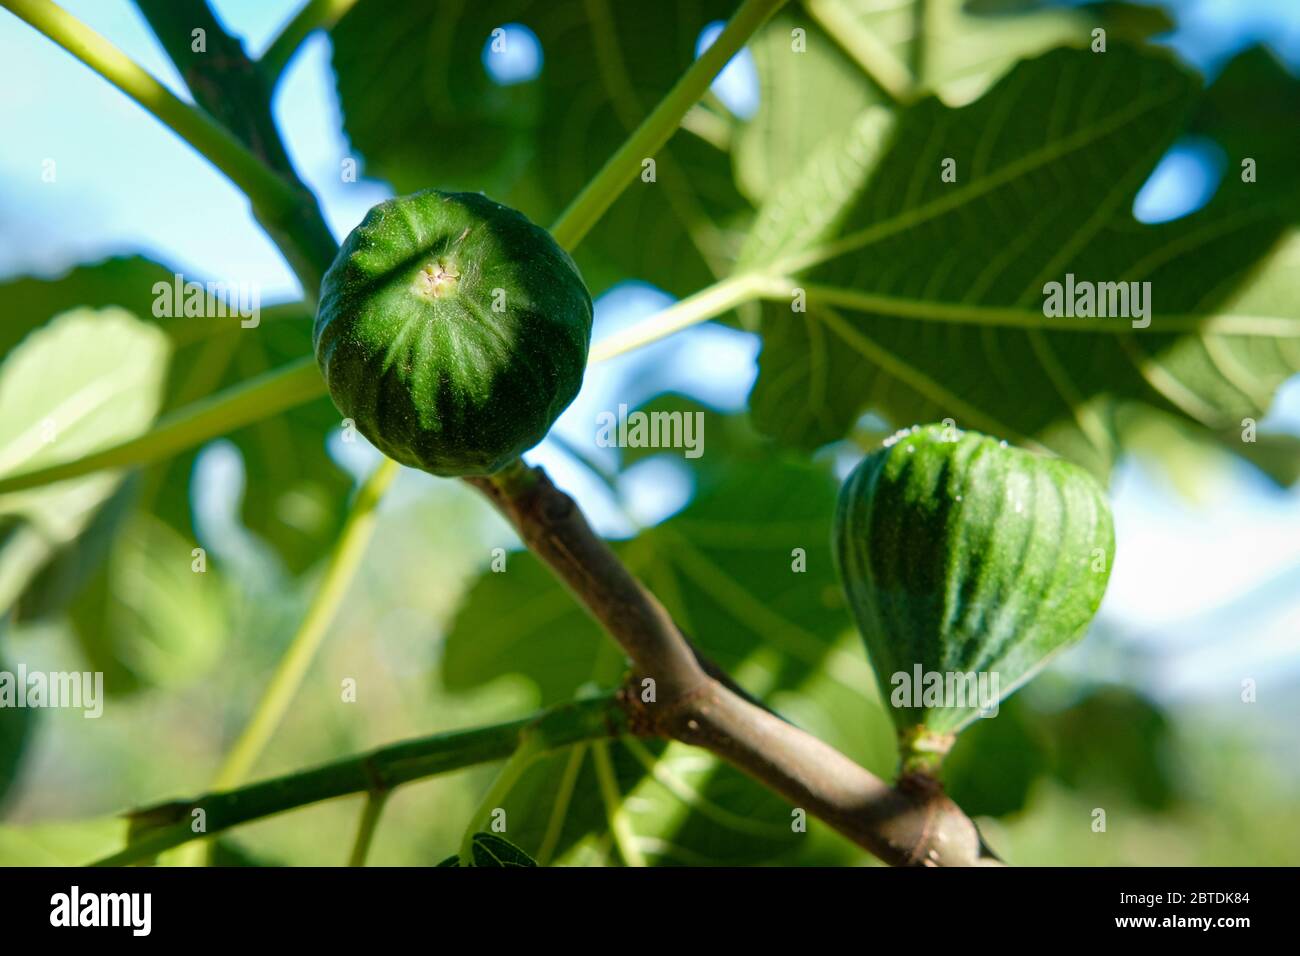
<point x="967" y="565"/>
<point x="453" y="331"/>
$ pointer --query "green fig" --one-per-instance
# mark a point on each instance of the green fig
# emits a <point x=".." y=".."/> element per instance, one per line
<point x="452" y="331"/>
<point x="967" y="564"/>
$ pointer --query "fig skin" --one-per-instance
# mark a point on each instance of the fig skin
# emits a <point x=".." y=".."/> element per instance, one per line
<point x="452" y="331"/>
<point x="961" y="554"/>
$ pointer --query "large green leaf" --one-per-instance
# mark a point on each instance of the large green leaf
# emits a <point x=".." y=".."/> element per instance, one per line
<point x="1241" y="111"/>
<point x="966" y="49"/>
<point x="816" y="62"/>
<point x="810" y="207"/>
<point x="27" y="302"/>
<point x="805" y="97"/>
<point x="925" y="297"/>
<point x="85" y="380"/>
<point x="820" y="63"/>
<point x="73" y="566"/>
<point x="420" y="106"/>
<point x="120" y="560"/>
<point x="295" y="495"/>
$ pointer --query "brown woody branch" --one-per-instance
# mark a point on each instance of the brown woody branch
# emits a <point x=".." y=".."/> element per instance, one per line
<point x="912" y="823"/>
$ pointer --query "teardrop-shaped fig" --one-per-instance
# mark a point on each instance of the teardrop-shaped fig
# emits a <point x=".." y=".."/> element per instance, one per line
<point x="966" y="561"/>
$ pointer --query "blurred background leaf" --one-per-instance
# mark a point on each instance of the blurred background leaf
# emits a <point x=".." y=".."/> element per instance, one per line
<point x="997" y="760"/>
<point x="76" y="548"/>
<point x="60" y="844"/>
<point x="209" y="353"/>
<point x="1107" y="742"/>
<point x="85" y="380"/>
<point x="159" y="620"/>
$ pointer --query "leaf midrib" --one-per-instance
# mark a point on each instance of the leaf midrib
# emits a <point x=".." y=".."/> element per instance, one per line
<point x="967" y="313"/>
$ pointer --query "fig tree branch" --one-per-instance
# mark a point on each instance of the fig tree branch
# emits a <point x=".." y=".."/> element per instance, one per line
<point x="165" y="826"/>
<point x="672" y="695"/>
<point x="912" y="823"/>
<point x="657" y="128"/>
<point x="222" y="79"/>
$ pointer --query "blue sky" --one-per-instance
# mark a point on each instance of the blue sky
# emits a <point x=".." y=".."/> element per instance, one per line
<point x="126" y="184"/>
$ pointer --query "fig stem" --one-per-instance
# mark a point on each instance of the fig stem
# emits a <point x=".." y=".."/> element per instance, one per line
<point x="922" y="750"/>
<point x="370" y="813"/>
<point x="657" y="128"/>
<point x="314" y="15"/>
<point x="297" y="658"/>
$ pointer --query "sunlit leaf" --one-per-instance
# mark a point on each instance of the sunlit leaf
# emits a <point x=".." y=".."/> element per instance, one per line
<point x="927" y="301"/>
